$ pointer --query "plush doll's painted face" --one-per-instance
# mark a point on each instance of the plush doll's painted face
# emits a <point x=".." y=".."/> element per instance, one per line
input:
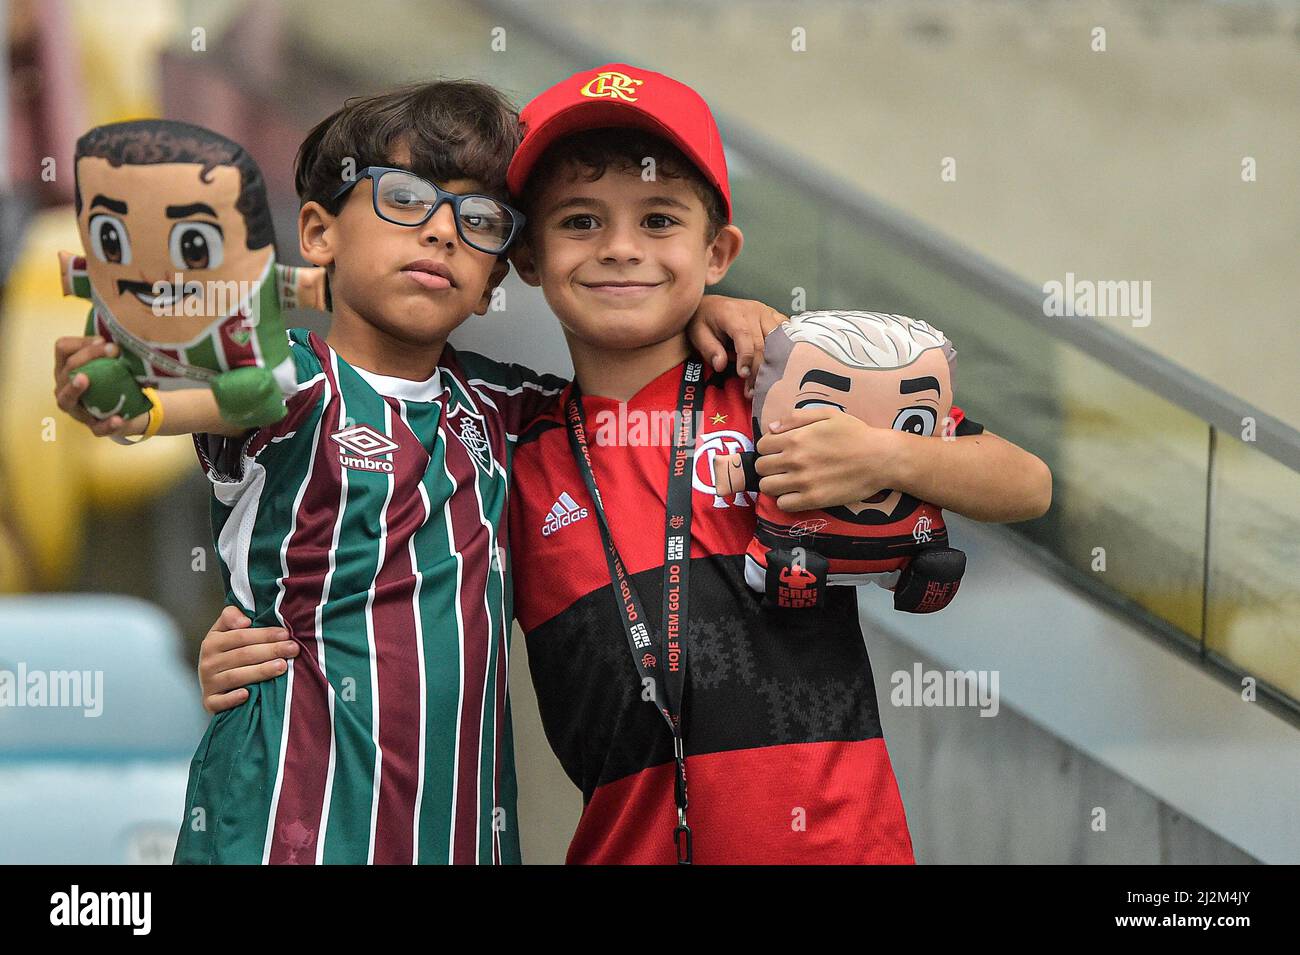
<point x="915" y="398"/>
<point x="149" y="223"/>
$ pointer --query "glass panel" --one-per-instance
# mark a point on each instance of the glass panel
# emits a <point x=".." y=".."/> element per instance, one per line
<point x="781" y="233"/>
<point x="1131" y="478"/>
<point x="1129" y="467"/>
<point x="1255" y="564"/>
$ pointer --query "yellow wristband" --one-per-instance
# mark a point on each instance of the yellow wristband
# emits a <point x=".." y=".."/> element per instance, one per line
<point x="155" y="418"/>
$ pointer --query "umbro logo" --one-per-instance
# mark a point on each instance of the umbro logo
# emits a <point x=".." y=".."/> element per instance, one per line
<point x="564" y="512"/>
<point x="366" y="446"/>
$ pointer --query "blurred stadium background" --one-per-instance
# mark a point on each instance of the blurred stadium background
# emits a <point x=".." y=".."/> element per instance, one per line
<point x="1121" y="688"/>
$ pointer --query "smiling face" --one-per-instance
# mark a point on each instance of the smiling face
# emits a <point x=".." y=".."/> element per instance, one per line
<point x="915" y="398"/>
<point x="145" y="224"/>
<point x="623" y="262"/>
<point x="415" y="284"/>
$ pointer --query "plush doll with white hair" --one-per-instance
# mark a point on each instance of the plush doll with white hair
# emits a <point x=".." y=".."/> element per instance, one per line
<point x="890" y="371"/>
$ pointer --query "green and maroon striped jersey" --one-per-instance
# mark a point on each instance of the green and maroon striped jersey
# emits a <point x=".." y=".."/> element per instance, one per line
<point x="370" y="523"/>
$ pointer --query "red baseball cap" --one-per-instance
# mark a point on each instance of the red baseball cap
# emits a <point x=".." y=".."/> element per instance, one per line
<point x="620" y="95"/>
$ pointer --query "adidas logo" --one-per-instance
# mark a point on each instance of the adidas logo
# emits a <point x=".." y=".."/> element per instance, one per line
<point x="564" y="512"/>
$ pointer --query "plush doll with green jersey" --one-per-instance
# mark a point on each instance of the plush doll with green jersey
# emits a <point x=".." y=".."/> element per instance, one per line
<point x="180" y="269"/>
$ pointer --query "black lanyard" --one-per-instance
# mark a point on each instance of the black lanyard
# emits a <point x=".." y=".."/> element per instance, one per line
<point x="667" y="655"/>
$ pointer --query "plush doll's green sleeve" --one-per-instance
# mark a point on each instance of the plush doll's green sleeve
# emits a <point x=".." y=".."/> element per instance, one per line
<point x="180" y="270"/>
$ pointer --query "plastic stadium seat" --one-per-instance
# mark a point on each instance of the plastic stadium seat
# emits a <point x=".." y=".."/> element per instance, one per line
<point x="101" y="777"/>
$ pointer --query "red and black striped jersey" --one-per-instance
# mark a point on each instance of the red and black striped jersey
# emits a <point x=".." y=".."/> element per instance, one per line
<point x="786" y="762"/>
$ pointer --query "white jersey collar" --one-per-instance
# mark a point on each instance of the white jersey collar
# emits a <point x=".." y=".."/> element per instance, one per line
<point x="404" y="388"/>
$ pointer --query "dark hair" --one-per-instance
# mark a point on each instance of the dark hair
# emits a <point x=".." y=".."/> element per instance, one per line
<point x="144" y="142"/>
<point x="594" y="150"/>
<point x="455" y="129"/>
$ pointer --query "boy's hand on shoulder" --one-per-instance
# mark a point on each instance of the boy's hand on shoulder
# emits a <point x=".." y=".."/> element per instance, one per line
<point x="234" y="655"/>
<point x="822" y="457"/>
<point x="742" y="322"/>
<point x="70" y="353"/>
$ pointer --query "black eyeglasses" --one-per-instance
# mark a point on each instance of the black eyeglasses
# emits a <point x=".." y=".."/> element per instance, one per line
<point x="403" y="198"/>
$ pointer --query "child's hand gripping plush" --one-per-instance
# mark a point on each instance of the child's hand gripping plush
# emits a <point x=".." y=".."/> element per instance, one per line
<point x="889" y="371"/>
<point x="180" y="267"/>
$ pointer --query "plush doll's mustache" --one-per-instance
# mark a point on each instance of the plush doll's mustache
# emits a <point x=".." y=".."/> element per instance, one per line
<point x="152" y="294"/>
<point x="130" y="285"/>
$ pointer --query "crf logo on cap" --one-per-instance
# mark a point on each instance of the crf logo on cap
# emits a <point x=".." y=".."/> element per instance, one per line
<point x="366" y="445"/>
<point x="612" y="84"/>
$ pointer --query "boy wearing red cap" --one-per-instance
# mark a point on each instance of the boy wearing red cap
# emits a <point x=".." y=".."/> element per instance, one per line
<point x="635" y="592"/>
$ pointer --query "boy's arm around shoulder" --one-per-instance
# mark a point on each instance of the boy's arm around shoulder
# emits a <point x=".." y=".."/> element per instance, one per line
<point x="519" y="393"/>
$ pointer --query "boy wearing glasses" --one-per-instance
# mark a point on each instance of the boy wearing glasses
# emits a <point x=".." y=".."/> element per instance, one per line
<point x="369" y="523"/>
